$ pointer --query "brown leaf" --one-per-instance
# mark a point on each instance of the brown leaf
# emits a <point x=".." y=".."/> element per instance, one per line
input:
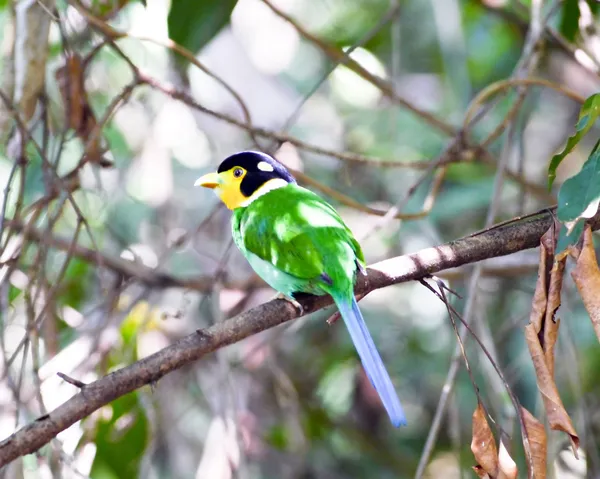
<point x="80" y="116"/>
<point x="546" y="299"/>
<point x="483" y="444"/>
<point x="107" y="9"/>
<point x="587" y="278"/>
<point x="550" y="324"/>
<point x="536" y="436"/>
<point x="557" y="415"/>
<point x="542" y="332"/>
<point x="550" y="337"/>
<point x="481" y="473"/>
<point x="540" y="299"/>
<point x="507" y="467"/>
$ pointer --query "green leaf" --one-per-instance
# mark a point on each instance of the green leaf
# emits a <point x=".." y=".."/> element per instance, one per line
<point x="569" y="24"/>
<point x="194" y="23"/>
<point x="75" y="283"/>
<point x="582" y="190"/>
<point x="13" y="293"/>
<point x="121" y="436"/>
<point x="278" y="437"/>
<point x="567" y="238"/>
<point x="587" y="117"/>
<point x="579" y="197"/>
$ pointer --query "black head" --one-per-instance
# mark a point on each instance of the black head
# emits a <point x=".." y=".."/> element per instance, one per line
<point x="256" y="168"/>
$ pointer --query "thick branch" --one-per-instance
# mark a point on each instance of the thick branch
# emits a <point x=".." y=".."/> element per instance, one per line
<point x="502" y="240"/>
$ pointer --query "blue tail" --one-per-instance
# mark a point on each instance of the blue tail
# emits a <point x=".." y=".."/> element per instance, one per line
<point x="371" y="360"/>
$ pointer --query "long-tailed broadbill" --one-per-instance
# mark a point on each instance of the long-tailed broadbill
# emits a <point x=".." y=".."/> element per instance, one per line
<point x="298" y="243"/>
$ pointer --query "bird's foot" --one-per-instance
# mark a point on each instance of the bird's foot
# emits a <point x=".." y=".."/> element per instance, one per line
<point x="291" y="300"/>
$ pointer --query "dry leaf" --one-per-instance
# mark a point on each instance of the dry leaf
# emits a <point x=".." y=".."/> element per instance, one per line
<point x="70" y="78"/>
<point x="80" y="116"/>
<point x="481" y="473"/>
<point x="483" y="444"/>
<point x="557" y="415"/>
<point x="536" y="435"/>
<point x="550" y="337"/>
<point x="507" y="468"/>
<point x="538" y="305"/>
<point x="542" y="332"/>
<point x="550" y="323"/>
<point x="587" y="278"/>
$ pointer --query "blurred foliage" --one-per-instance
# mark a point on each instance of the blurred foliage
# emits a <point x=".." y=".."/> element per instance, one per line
<point x="300" y="402"/>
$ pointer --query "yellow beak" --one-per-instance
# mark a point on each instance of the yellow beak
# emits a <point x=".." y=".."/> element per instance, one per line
<point x="211" y="180"/>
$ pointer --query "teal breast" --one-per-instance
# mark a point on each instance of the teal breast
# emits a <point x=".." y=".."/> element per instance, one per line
<point x="280" y="281"/>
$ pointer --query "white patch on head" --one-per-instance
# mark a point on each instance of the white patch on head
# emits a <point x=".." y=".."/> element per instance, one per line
<point x="268" y="186"/>
<point x="264" y="166"/>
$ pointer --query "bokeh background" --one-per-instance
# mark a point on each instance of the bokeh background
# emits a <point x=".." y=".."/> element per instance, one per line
<point x="153" y="258"/>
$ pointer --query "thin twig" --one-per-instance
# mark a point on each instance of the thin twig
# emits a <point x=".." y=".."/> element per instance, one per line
<point x="75" y="382"/>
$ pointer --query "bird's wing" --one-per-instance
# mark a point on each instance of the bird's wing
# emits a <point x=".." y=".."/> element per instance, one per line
<point x="296" y="231"/>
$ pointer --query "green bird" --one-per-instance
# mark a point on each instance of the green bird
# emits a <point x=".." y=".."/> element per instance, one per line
<point x="298" y="243"/>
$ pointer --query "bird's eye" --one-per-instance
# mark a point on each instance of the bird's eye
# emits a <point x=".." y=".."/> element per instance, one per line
<point x="238" y="172"/>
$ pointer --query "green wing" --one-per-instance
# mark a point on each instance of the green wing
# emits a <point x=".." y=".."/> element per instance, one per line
<point x="299" y="233"/>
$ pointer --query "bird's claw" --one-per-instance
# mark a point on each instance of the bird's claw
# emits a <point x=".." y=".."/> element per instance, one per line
<point x="291" y="300"/>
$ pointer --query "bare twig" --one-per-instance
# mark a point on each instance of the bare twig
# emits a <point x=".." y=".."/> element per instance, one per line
<point x="75" y="382"/>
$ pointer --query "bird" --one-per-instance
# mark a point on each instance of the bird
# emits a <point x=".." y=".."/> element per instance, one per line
<point x="298" y="243"/>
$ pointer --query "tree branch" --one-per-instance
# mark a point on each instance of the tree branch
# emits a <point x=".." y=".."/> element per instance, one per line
<point x="25" y="75"/>
<point x="502" y="240"/>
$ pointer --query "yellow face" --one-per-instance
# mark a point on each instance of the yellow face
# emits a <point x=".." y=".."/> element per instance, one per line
<point x="227" y="186"/>
<point x="243" y="177"/>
